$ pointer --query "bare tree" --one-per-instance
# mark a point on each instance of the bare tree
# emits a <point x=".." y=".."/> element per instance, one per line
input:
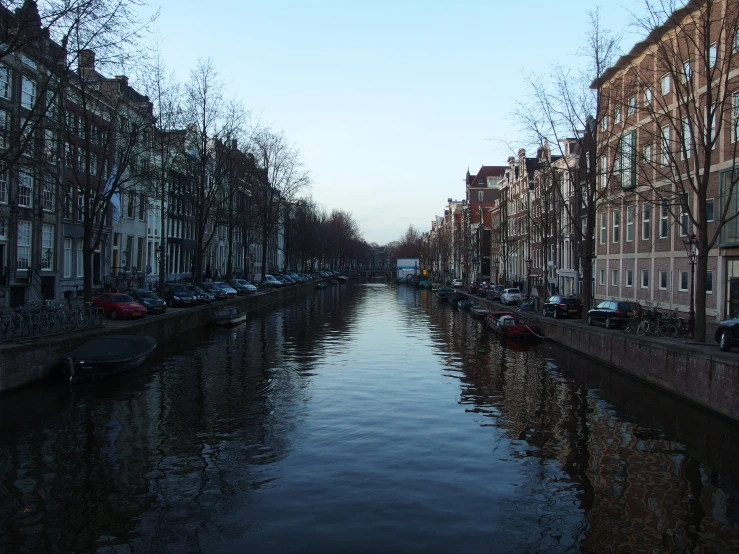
<point x="693" y="124"/>
<point x="277" y="180"/>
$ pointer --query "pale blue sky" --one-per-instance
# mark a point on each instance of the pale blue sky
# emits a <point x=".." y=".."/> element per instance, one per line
<point x="389" y="102"/>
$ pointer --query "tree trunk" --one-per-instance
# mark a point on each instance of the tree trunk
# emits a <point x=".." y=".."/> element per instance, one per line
<point x="699" y="286"/>
<point x="162" y="244"/>
<point x="265" y="236"/>
<point x="87" y="267"/>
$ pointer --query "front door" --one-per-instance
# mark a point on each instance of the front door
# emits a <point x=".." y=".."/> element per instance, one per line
<point x="733" y="297"/>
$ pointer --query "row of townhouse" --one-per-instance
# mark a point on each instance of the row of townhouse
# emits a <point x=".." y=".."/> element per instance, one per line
<point x="638" y="199"/>
<point x="68" y="138"/>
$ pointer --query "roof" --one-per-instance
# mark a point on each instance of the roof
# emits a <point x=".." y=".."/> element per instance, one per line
<point x="486" y="171"/>
<point x="673" y="21"/>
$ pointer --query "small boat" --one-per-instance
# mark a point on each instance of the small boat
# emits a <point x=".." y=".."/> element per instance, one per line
<point x="444" y="293"/>
<point x="342" y="279"/>
<point x="456" y="297"/>
<point x="506" y="325"/>
<point x="104" y="356"/>
<point x="479" y="312"/>
<point x="227" y="315"/>
<point x="465" y="304"/>
<point x="435" y="286"/>
<point x="321" y="285"/>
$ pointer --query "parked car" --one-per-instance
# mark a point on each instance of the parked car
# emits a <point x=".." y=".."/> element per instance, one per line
<point x="178" y="295"/>
<point x="246" y="284"/>
<point x="610" y="313"/>
<point x="228" y="289"/>
<point x="727" y="334"/>
<point x="473" y="288"/>
<point x="217" y="292"/>
<point x="510" y="296"/>
<point x="562" y="306"/>
<point x="238" y="287"/>
<point x="272" y="282"/>
<point x="494" y="292"/>
<point x="457" y="283"/>
<point x="201" y="295"/>
<point x="150" y="300"/>
<point x="118" y="305"/>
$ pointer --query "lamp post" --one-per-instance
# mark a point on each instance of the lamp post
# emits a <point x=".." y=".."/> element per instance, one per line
<point x="691" y="244"/>
<point x="528" y="278"/>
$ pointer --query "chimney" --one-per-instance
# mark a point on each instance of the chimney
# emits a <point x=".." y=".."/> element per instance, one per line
<point x="86" y="59"/>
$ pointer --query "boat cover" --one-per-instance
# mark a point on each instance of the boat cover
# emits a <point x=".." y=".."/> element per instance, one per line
<point x="113" y="349"/>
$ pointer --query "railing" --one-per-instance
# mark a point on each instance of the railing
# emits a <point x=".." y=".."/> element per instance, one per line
<point x="33" y="320"/>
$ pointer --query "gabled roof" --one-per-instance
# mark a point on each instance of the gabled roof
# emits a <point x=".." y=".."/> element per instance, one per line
<point x="484" y="172"/>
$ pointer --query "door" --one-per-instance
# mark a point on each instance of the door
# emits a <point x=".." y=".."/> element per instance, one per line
<point x="96" y="268"/>
<point x="733" y="297"/>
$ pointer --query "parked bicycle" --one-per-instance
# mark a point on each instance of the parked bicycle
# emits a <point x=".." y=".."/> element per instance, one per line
<point x="34" y="320"/>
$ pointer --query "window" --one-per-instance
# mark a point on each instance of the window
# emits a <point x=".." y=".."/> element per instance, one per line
<point x="605" y="122"/>
<point x="617" y="115"/>
<point x="28" y="61"/>
<point x="684" y="282"/>
<point x="602" y="277"/>
<point x="645" y="278"/>
<point x="665" y="83"/>
<point x="4" y="128"/>
<point x="3" y="228"/>
<point x="24" y="245"/>
<point x="736" y="41"/>
<point x="480" y="196"/>
<point x="3" y="187"/>
<point x="93" y="163"/>
<point x="648" y="153"/>
<point x="684" y="224"/>
<point x="629" y="278"/>
<point x="662" y="280"/>
<point x="632" y="105"/>
<point x="25" y="189"/>
<point x="80" y="205"/>
<point x="647" y="96"/>
<point x="603" y="172"/>
<point x="131" y="204"/>
<point x="709" y="282"/>
<point x="50" y="104"/>
<point x="70" y="120"/>
<point x="80" y="258"/>
<point x="616" y="225"/>
<point x="68" y="155"/>
<point x="629" y="223"/>
<point x="735" y="117"/>
<point x="603" y="227"/>
<point x="4" y="82"/>
<point x="712" y="55"/>
<point x="28" y="92"/>
<point x="628" y="160"/>
<point x="142" y="206"/>
<point x="665" y="146"/>
<point x="709" y="209"/>
<point x="663" y="222"/>
<point x="687" y="73"/>
<point x="67" y="258"/>
<point x="47" y="198"/>
<point x="47" y="247"/>
<point x="686" y="137"/>
<point x="50" y="145"/>
<point x="614" y="277"/>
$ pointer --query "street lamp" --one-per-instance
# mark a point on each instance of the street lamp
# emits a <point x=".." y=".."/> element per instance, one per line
<point x="528" y="278"/>
<point x="691" y="244"/>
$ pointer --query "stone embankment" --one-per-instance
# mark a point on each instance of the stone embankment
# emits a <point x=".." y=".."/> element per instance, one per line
<point x="25" y="363"/>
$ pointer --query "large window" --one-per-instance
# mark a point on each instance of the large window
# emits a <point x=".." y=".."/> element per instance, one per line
<point x="628" y="160"/>
<point x="629" y="223"/>
<point x="24" y="245"/>
<point x="684" y="282"/>
<point x="616" y="225"/>
<point x="3" y="187"/>
<point x="662" y="280"/>
<point x="665" y="146"/>
<point x="686" y="137"/>
<point x="47" y="247"/>
<point x="603" y="231"/>
<point x="28" y="92"/>
<point x="47" y="198"/>
<point x="142" y="206"/>
<point x="25" y="189"/>
<point x="646" y="223"/>
<point x="80" y="205"/>
<point x="4" y="82"/>
<point x="665" y="83"/>
<point x="664" y="224"/>
<point x="645" y="278"/>
<point x="629" y="277"/>
<point x="729" y="190"/>
<point x="4" y="128"/>
<point x="709" y="209"/>
<point x="131" y="204"/>
<point x="67" y="258"/>
<point x="614" y="277"/>
<point x="80" y="258"/>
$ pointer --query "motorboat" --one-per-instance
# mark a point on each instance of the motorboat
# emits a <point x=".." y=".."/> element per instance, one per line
<point x="456" y="297"/>
<point x="105" y="356"/>
<point x="444" y="293"/>
<point x="505" y="324"/>
<point x="227" y="315"/>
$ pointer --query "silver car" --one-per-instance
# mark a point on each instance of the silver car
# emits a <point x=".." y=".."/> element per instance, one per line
<point x="510" y="296"/>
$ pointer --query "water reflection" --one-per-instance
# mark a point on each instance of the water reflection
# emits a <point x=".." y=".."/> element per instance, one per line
<point x="363" y="418"/>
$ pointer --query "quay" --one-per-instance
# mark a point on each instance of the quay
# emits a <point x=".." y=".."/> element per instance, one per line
<point x="26" y="362"/>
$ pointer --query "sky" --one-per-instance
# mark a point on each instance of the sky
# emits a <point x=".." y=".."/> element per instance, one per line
<point x="389" y="102"/>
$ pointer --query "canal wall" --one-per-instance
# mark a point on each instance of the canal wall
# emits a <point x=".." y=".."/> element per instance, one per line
<point x="709" y="379"/>
<point x="25" y="363"/>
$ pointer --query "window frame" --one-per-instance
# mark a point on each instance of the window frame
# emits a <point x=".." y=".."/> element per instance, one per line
<point x="683" y="274"/>
<point x="646" y="222"/>
<point x="630" y="223"/>
<point x="629" y="278"/>
<point x="614" y="278"/>
<point x="25" y="93"/>
<point x="662" y="275"/>
<point x="709" y="281"/>
<point x="25" y="182"/>
<point x="712" y="211"/>
<point x="602" y="277"/>
<point x="603" y="227"/>
<point x="644" y="279"/>
<point x="616" y="226"/>
<point x="664" y="224"/>
<point x="665" y="84"/>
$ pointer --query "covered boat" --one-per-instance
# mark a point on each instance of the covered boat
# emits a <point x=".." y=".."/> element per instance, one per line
<point x="444" y="293"/>
<point x="104" y="356"/>
<point x="465" y="304"/>
<point x="506" y="325"/>
<point x="227" y="315"/>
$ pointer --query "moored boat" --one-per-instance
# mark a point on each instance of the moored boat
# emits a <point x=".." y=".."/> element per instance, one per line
<point x="506" y="325"/>
<point x="479" y="312"/>
<point x="456" y="297"/>
<point x="104" y="356"/>
<point x="342" y="279"/>
<point x="465" y="304"/>
<point x="227" y="315"/>
<point x="444" y="293"/>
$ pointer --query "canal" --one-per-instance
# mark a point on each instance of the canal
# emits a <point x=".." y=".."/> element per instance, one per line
<point x="363" y="418"/>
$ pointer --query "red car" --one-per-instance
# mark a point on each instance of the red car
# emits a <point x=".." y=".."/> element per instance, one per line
<point x="117" y="305"/>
